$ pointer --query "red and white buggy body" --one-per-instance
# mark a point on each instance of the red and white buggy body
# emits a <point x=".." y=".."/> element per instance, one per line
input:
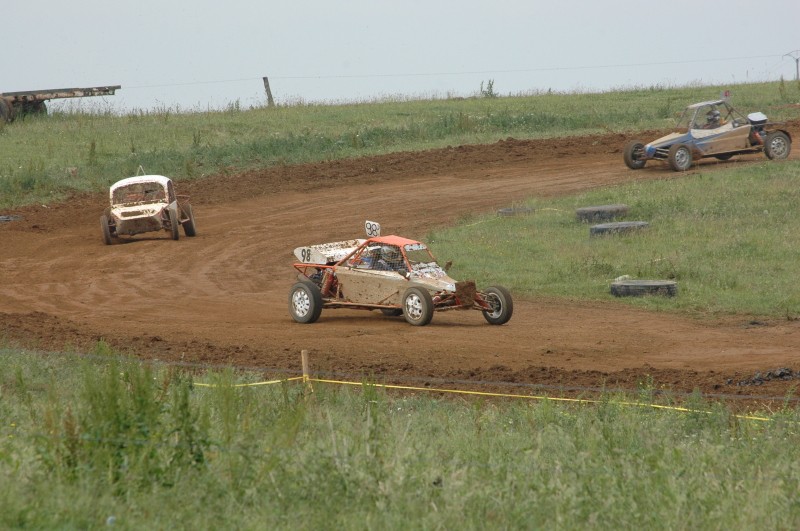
<point x="395" y="275"/>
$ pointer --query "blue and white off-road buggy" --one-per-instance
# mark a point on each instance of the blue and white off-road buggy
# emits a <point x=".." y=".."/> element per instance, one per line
<point x="711" y="129"/>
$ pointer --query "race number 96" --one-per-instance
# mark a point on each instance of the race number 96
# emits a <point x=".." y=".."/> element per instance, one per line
<point x="373" y="229"/>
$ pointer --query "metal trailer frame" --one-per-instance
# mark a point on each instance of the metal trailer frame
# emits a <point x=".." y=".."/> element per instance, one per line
<point x="13" y="104"/>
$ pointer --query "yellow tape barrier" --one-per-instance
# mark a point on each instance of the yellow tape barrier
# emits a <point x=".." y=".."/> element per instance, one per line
<point x="482" y="393"/>
<point x="252" y="384"/>
<point x="533" y="397"/>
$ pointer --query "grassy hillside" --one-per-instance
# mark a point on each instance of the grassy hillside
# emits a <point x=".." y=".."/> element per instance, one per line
<point x="43" y="158"/>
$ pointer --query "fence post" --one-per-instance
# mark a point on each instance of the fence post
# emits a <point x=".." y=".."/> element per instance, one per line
<point x="270" y="101"/>
<point x="304" y="360"/>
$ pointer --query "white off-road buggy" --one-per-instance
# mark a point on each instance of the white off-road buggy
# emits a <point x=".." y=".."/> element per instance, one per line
<point x="146" y="203"/>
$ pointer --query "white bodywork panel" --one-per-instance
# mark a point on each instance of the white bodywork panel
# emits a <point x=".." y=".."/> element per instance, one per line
<point x="703" y="133"/>
<point x="159" y="179"/>
<point x="431" y="274"/>
<point x="325" y="253"/>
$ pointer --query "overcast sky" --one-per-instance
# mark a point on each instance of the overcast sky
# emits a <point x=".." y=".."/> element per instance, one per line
<point x="203" y="54"/>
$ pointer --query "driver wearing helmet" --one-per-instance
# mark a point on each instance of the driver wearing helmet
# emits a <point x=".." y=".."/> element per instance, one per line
<point x="367" y="259"/>
<point x="389" y="259"/>
<point x="712" y="119"/>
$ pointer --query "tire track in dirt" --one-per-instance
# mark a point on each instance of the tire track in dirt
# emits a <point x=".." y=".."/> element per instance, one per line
<point x="221" y="297"/>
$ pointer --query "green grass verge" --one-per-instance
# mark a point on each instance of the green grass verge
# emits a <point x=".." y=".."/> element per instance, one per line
<point x="42" y="158"/>
<point x="729" y="239"/>
<point x="108" y="440"/>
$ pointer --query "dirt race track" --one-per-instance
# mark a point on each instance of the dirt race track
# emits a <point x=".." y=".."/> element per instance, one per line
<point x="221" y="297"/>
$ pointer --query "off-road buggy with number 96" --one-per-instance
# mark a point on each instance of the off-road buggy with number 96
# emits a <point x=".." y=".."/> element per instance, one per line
<point x="395" y="275"/>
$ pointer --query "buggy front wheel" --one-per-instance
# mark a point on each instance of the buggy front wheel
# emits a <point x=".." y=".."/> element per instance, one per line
<point x="417" y="306"/>
<point x="634" y="155"/>
<point x="188" y="225"/>
<point x="502" y="305"/>
<point x="305" y="302"/>
<point x="106" y="228"/>
<point x="174" y="225"/>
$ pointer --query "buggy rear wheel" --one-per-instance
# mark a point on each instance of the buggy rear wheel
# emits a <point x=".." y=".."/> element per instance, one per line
<point x="680" y="157"/>
<point x="305" y="302"/>
<point x="777" y="146"/>
<point x="502" y="305"/>
<point x="633" y="155"/>
<point x="417" y="306"/>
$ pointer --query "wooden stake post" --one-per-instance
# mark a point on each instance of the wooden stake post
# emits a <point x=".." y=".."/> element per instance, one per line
<point x="270" y="101"/>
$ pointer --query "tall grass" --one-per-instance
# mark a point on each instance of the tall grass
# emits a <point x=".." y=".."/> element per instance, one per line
<point x="729" y="239"/>
<point x="110" y="441"/>
<point x="42" y="158"/>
